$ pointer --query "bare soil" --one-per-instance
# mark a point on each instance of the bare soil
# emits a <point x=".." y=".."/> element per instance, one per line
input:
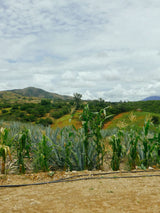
<point x="140" y="194"/>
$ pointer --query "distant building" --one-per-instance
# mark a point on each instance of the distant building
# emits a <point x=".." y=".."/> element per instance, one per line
<point x="139" y="110"/>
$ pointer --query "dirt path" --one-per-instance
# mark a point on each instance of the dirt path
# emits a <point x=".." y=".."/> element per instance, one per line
<point x="100" y="195"/>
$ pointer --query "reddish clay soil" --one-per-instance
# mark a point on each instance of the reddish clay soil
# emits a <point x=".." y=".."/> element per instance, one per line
<point x="118" y="195"/>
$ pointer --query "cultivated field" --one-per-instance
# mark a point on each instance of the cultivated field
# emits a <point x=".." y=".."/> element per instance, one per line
<point x="124" y="151"/>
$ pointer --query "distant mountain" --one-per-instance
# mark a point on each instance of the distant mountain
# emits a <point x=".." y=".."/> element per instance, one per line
<point x="39" y="93"/>
<point x="152" y="98"/>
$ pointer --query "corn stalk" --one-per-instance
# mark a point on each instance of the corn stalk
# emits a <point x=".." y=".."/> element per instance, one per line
<point x="133" y="156"/>
<point x="42" y="155"/>
<point x="116" y="143"/>
<point x="23" y="147"/>
<point x="148" y="144"/>
<point x="4" y="150"/>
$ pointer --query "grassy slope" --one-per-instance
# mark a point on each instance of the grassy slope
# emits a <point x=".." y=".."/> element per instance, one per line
<point x="68" y="120"/>
<point x="123" y="119"/>
<point x="11" y="97"/>
<point x="129" y="118"/>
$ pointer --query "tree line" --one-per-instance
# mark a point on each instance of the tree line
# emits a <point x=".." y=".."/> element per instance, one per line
<point x="47" y="110"/>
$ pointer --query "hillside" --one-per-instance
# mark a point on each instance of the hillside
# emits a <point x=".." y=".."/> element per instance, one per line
<point x="128" y="119"/>
<point x="31" y="105"/>
<point x="35" y="92"/>
<point x="11" y="97"/>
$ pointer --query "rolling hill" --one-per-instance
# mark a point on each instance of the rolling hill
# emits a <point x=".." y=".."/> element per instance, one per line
<point x="33" y="92"/>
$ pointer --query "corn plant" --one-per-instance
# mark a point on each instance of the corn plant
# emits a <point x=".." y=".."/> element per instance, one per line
<point x="148" y="144"/>
<point x="86" y="118"/>
<point x="97" y="122"/>
<point x="116" y="143"/>
<point x="132" y="154"/>
<point x="68" y="147"/>
<point x="23" y="147"/>
<point x="157" y="146"/>
<point x="42" y="155"/>
<point x="4" y="150"/>
<point x="92" y="124"/>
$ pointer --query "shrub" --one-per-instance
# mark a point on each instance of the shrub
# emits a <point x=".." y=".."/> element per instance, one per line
<point x="155" y="119"/>
<point x="45" y="122"/>
<point x="4" y="111"/>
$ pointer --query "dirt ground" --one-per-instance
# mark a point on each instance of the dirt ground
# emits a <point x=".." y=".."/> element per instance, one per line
<point x="118" y="195"/>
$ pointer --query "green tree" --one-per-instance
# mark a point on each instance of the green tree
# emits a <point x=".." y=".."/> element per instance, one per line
<point x="45" y="102"/>
<point x="77" y="99"/>
<point x="45" y="122"/>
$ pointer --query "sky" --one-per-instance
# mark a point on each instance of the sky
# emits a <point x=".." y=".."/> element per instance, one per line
<point x="107" y="49"/>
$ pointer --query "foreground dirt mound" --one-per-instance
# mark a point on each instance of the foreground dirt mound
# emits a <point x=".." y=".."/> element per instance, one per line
<point x="99" y="192"/>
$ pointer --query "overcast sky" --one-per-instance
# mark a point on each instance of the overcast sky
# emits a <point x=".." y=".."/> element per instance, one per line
<point x="106" y="49"/>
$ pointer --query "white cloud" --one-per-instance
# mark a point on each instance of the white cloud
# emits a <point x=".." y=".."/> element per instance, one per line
<point x="107" y="49"/>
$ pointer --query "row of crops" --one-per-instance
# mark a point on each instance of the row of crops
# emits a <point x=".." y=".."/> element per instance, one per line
<point x="26" y="147"/>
